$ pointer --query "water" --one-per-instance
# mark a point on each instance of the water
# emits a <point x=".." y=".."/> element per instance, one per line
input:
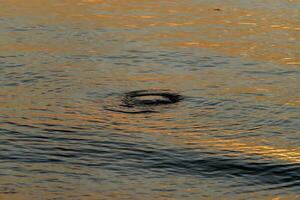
<point x="235" y="134"/>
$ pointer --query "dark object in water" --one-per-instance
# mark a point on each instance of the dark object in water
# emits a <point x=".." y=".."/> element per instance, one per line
<point x="217" y="9"/>
<point x="150" y="98"/>
<point x="143" y="101"/>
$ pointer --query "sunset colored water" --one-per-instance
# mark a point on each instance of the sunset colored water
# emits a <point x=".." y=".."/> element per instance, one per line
<point x="65" y="66"/>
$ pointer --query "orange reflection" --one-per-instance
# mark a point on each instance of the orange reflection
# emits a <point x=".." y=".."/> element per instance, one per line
<point x="250" y="32"/>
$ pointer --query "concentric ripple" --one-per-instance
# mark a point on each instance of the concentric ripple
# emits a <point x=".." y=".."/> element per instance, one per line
<point x="142" y="101"/>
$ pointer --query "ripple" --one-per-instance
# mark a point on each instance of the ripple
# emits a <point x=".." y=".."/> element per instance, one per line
<point x="143" y="101"/>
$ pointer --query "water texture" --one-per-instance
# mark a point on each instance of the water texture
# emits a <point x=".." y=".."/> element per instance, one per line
<point x="67" y="67"/>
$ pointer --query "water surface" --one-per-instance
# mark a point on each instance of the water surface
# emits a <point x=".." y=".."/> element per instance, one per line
<point x="235" y="135"/>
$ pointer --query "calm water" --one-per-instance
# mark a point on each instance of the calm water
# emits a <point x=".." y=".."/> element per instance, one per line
<point x="234" y="136"/>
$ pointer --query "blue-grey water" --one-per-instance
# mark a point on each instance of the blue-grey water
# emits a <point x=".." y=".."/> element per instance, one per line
<point x="64" y="66"/>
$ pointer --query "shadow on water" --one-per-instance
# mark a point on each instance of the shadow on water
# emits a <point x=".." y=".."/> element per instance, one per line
<point x="144" y="158"/>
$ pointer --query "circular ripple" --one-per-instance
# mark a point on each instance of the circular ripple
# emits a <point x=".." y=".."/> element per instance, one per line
<point x="143" y="101"/>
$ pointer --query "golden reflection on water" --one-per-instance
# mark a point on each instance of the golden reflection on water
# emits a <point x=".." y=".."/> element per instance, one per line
<point x="251" y="32"/>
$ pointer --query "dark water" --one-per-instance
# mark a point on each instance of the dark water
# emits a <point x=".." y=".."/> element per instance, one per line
<point x="234" y="135"/>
